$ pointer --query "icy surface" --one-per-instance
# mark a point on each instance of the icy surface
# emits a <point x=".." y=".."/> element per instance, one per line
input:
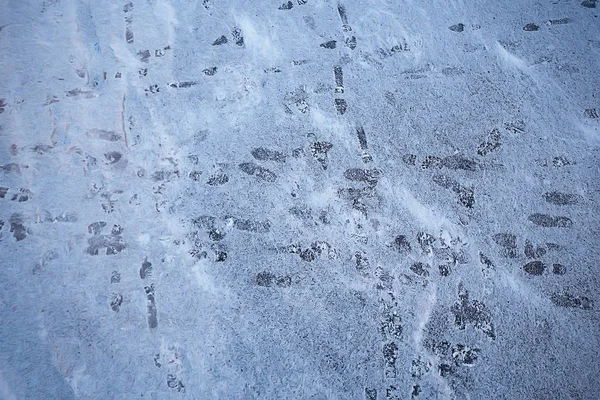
<point x="210" y="199"/>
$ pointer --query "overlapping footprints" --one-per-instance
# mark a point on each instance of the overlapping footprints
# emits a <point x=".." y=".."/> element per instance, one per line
<point x="472" y="312"/>
<point x="110" y="244"/>
<point x="216" y="229"/>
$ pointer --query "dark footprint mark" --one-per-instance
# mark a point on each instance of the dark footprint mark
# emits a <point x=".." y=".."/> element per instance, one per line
<point x="390" y="355"/>
<point x="302" y="212"/>
<point x="465" y="195"/>
<point x="409" y="159"/>
<point x="22" y="196"/>
<point x="463" y="355"/>
<point x="531" y="252"/>
<point x="221" y="40"/>
<point x="195" y="175"/>
<point x="182" y="85"/>
<point x="299" y="97"/>
<point x="210" y="71"/>
<point x="319" y="151"/>
<point x="250" y="225"/>
<point x="590" y="113"/>
<point x="109" y="136"/>
<point x="490" y="145"/>
<point x="370" y="394"/>
<point x="146" y="269"/>
<point x="561" y="21"/>
<point x="127" y="8"/>
<point x="332" y="44"/>
<point x="267" y="279"/>
<point x="362" y="262"/>
<point x="95" y="228"/>
<point x="341" y="106"/>
<point x="356" y="197"/>
<point x="164" y="175"/>
<point x="161" y="52"/>
<point x="153" y="89"/>
<point x="570" y="301"/>
<point x="216" y="235"/>
<point x="264" y="154"/>
<point x="362" y="137"/>
<point x="2" y="105"/>
<point x="451" y="71"/>
<point x="457" y="28"/>
<point x="548" y="221"/>
<point x="218" y="179"/>
<point x="205" y="221"/>
<point x="561" y="161"/>
<point x="175" y="383"/>
<point x="473" y="312"/>
<point x="113" y="243"/>
<point x="344" y="18"/>
<point x="384" y="53"/>
<point x="426" y="241"/>
<point x="220" y="252"/>
<point x="509" y="243"/>
<point x="515" y="127"/>
<point x="445" y="269"/>
<point x="562" y="199"/>
<point x="420" y="269"/>
<point x="484" y="260"/>
<point x="115" y="277"/>
<point x="17" y="228"/>
<point x="339" y="79"/>
<point x="272" y="70"/>
<point x="391" y="322"/>
<point x="10" y="167"/>
<point x="457" y="162"/>
<point x="258" y="171"/>
<point x="589" y="3"/>
<point x="286" y="6"/>
<point x="116" y="299"/>
<point x="531" y="28"/>
<point x="368" y="176"/>
<point x="431" y="162"/>
<point x="238" y="38"/>
<point x="311" y="253"/>
<point x="559" y="269"/>
<point x="113" y="157"/>
<point x="3" y="191"/>
<point x="350" y="42"/>
<point x="534" y="268"/>
<point x="143" y="55"/>
<point x="362" y="142"/>
<point x="151" y="308"/>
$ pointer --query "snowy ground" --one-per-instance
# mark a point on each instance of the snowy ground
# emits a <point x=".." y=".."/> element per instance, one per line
<point x="210" y="199"/>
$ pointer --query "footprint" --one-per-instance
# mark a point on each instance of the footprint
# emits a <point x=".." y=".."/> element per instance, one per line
<point x="332" y="44"/>
<point x="562" y="199"/>
<point x="548" y="221"/>
<point x="472" y="312"/>
<point x="457" y="28"/>
<point x="146" y="269"/>
<point x="116" y="299"/>
<point x="267" y="279"/>
<point x="570" y="301"/>
<point x="221" y="40"/>
<point x="151" y="307"/>
<point x="264" y="154"/>
<point x="534" y="268"/>
<point x="258" y="171"/>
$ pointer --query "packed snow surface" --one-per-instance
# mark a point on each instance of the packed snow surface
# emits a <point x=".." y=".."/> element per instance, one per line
<point x="304" y="199"/>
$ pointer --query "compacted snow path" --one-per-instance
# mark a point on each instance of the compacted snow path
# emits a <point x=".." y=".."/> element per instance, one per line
<point x="309" y="199"/>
